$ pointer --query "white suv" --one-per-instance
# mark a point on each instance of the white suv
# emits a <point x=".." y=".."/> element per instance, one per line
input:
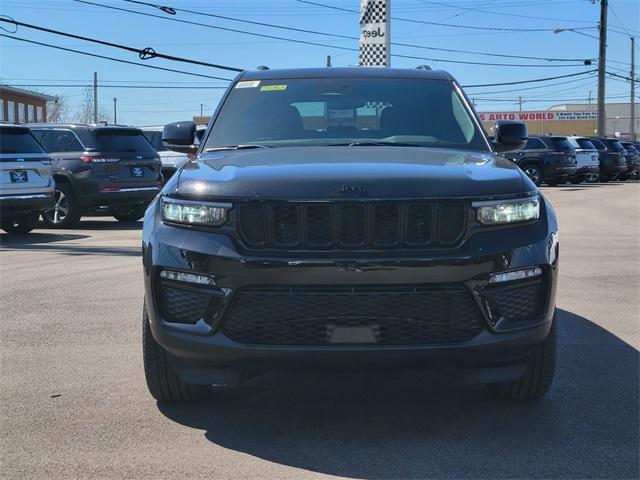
<point x="26" y="181"/>
<point x="587" y="159"/>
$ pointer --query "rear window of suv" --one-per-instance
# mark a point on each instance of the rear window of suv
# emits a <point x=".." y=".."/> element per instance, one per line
<point x="122" y="141"/>
<point x="18" y="141"/>
<point x="561" y="143"/>
<point x="586" y="144"/>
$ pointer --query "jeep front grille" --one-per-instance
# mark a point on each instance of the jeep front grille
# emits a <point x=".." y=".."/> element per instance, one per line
<point x="404" y="315"/>
<point x="351" y="225"/>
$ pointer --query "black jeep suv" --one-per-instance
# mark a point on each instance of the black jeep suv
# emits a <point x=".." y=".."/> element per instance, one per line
<point x="348" y="218"/>
<point x="612" y="156"/>
<point x="549" y="159"/>
<point x="98" y="166"/>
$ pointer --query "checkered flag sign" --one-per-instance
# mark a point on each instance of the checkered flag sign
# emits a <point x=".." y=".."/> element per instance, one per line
<point x="374" y="33"/>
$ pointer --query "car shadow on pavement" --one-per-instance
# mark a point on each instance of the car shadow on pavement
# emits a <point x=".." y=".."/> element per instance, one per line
<point x="36" y="238"/>
<point x="108" y="224"/>
<point x="418" y="425"/>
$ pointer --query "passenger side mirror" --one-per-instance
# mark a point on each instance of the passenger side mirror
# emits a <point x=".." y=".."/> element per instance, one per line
<point x="180" y="137"/>
<point x="510" y="135"/>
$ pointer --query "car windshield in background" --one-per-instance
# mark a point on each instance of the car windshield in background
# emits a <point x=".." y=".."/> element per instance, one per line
<point x="586" y="144"/>
<point x="123" y="141"/>
<point x="561" y="143"/>
<point x="155" y="139"/>
<point x="18" y="141"/>
<point x="346" y="111"/>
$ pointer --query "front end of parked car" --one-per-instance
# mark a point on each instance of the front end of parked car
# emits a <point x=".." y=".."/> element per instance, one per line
<point x="395" y="268"/>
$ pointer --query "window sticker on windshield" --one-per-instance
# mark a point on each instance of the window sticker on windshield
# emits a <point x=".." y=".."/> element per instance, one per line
<point x="273" y="88"/>
<point x="248" y="84"/>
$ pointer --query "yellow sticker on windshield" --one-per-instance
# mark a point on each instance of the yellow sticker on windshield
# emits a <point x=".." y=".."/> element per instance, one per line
<point x="272" y="88"/>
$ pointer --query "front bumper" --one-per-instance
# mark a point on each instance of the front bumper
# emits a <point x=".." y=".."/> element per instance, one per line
<point x="24" y="203"/>
<point x="204" y="353"/>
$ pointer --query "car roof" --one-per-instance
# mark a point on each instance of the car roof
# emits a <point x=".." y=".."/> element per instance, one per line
<point x="89" y="126"/>
<point x="337" y="72"/>
<point x="10" y="126"/>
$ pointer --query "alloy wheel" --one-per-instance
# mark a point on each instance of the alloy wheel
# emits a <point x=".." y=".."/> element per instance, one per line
<point x="60" y="209"/>
<point x="533" y="174"/>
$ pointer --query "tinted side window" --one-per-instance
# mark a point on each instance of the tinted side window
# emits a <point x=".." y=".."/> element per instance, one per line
<point x="55" y="141"/>
<point x="598" y="144"/>
<point x="586" y="144"/>
<point x="534" y="144"/>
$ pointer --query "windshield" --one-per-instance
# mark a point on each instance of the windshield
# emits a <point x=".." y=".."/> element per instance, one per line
<point x="123" y="141"/>
<point x="155" y="139"/>
<point x="586" y="144"/>
<point x="343" y="111"/>
<point x="18" y="141"/>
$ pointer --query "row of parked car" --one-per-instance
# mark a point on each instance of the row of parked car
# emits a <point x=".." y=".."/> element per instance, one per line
<point x="555" y="159"/>
<point x="61" y="171"/>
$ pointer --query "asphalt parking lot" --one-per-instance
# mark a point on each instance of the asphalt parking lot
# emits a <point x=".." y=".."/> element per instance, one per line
<point x="74" y="403"/>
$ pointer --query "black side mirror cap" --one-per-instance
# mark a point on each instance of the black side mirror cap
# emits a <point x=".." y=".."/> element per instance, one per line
<point x="180" y="137"/>
<point x="510" y="135"/>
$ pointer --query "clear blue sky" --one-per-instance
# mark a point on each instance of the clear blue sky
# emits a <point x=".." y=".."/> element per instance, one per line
<point x="28" y="64"/>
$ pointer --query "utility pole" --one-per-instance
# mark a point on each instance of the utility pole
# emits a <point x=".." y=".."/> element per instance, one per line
<point x="520" y="102"/>
<point x="95" y="97"/>
<point x="201" y="109"/>
<point x="632" y="130"/>
<point x="115" y="111"/>
<point x="602" y="65"/>
<point x="328" y="60"/>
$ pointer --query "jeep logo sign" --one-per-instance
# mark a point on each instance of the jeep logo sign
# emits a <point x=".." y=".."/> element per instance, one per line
<point x="374" y="33"/>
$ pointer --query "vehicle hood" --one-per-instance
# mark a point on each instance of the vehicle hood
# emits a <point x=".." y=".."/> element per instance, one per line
<point x="350" y="172"/>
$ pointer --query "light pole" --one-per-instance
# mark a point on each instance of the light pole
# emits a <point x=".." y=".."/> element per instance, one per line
<point x="115" y="111"/>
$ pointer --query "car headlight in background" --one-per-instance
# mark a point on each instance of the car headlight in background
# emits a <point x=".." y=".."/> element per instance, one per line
<point x="508" y="211"/>
<point x="189" y="212"/>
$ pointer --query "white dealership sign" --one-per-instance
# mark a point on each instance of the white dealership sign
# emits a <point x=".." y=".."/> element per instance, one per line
<point x="547" y="115"/>
<point x="375" y="46"/>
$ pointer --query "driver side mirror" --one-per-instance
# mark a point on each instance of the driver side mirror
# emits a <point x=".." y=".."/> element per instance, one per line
<point x="510" y="135"/>
<point x="180" y="137"/>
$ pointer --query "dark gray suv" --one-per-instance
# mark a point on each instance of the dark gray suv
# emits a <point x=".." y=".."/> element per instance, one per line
<point x="97" y="166"/>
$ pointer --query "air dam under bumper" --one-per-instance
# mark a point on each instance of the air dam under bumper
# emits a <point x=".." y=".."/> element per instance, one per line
<point x="204" y="352"/>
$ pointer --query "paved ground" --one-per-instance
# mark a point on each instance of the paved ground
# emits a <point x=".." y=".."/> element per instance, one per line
<point x="74" y="403"/>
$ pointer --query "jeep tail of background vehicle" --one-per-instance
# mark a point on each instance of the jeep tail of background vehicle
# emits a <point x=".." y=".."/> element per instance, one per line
<point x="612" y="157"/>
<point x="97" y="166"/>
<point x="586" y="158"/>
<point x="26" y="183"/>
<point x="633" y="161"/>
<point x="549" y="159"/>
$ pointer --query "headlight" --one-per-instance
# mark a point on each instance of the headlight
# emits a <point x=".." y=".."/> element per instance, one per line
<point x="194" y="213"/>
<point x="508" y="211"/>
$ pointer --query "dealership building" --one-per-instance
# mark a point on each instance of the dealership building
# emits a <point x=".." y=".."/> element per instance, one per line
<point x="570" y="119"/>
<point x="23" y="106"/>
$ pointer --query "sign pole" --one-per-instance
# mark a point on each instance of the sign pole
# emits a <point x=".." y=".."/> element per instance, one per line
<point x="375" y="34"/>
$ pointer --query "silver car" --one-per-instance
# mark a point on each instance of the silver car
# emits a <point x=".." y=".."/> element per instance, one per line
<point x="26" y="181"/>
<point x="587" y="159"/>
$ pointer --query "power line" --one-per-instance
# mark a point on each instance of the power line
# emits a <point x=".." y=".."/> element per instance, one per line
<point x="113" y="58"/>
<point x="317" y="44"/>
<point x="528" y="81"/>
<point x="532" y="88"/>
<point x="348" y="37"/>
<point x="144" y="54"/>
<point x="473" y="27"/>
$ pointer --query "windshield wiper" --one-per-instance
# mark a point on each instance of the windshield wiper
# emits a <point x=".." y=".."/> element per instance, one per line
<point x="373" y="144"/>
<point x="234" y="147"/>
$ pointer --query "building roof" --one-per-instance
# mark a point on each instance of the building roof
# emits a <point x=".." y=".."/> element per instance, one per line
<point x="29" y="93"/>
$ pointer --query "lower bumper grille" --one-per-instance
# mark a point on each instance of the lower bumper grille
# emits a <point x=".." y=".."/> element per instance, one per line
<point x="184" y="305"/>
<point x="344" y="315"/>
<point x="517" y="303"/>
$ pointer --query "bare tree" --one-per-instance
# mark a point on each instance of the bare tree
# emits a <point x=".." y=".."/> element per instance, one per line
<point x="57" y="111"/>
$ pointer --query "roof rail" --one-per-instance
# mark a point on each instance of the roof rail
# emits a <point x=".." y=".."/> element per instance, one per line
<point x="262" y="67"/>
<point x="423" y="67"/>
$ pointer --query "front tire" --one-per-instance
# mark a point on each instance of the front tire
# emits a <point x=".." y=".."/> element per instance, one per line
<point x="22" y="224"/>
<point x="66" y="211"/>
<point x="129" y="213"/>
<point x="538" y="377"/>
<point x="534" y="173"/>
<point x="162" y="380"/>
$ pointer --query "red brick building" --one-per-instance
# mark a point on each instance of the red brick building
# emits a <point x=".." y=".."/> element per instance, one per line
<point x="23" y="106"/>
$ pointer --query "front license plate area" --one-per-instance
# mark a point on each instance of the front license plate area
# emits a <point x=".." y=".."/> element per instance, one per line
<point x="364" y="334"/>
<point x="18" y="176"/>
<point x="137" y="171"/>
